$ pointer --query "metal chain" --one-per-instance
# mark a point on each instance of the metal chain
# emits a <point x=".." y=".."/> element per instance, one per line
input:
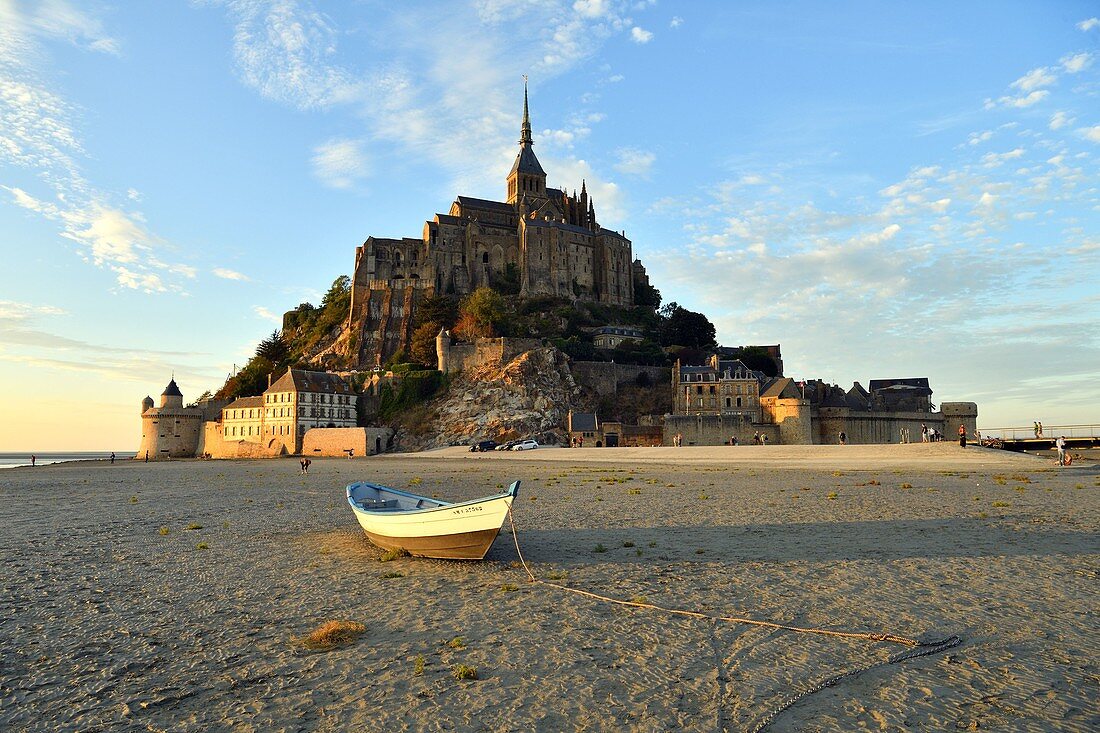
<point x="923" y="649"/>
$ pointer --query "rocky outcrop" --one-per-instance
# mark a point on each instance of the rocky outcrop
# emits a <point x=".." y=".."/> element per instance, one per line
<point x="526" y="397"/>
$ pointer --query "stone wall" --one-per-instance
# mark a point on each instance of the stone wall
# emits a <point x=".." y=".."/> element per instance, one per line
<point x="715" y="429"/>
<point x="338" y="441"/>
<point x="468" y="356"/>
<point x="604" y="377"/>
<point x="792" y="416"/>
<point x="213" y="444"/>
<point x="886" y="427"/>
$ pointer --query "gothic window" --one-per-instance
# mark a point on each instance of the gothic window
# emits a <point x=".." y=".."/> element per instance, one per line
<point x="485" y="257"/>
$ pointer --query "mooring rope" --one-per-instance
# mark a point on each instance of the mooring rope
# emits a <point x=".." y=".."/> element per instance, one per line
<point x="923" y="648"/>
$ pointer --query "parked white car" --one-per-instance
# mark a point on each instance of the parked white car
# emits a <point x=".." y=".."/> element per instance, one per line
<point x="525" y="445"/>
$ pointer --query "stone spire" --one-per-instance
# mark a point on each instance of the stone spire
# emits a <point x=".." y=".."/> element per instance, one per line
<point x="525" y="129"/>
<point x="527" y="175"/>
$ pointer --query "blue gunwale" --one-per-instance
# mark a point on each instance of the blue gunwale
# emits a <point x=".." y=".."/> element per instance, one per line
<point x="512" y="491"/>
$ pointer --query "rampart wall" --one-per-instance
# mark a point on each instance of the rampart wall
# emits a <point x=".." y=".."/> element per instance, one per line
<point x="604" y="377"/>
<point x="339" y="441"/>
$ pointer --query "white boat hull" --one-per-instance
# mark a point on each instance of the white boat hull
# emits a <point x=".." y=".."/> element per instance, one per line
<point x="427" y="527"/>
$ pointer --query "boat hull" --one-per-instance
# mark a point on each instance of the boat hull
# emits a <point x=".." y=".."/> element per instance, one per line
<point x="397" y="520"/>
<point x="462" y="546"/>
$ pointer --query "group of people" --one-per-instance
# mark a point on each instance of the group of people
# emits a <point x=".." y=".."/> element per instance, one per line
<point x="1038" y="428"/>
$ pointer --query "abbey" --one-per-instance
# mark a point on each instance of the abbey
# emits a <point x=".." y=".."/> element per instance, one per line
<point x="539" y="241"/>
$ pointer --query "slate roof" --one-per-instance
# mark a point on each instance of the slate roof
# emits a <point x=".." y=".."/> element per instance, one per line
<point x="919" y="382"/>
<point x="778" y="387"/>
<point x="240" y="402"/>
<point x="583" y="422"/>
<point x="526" y="162"/>
<point x="300" y="380"/>
<point x="559" y="225"/>
<point x="474" y="203"/>
<point x="172" y="390"/>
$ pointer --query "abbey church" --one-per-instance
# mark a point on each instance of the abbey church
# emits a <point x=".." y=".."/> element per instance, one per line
<point x="539" y="241"/>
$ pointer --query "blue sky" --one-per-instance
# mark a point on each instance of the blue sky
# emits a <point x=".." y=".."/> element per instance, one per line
<point x="886" y="190"/>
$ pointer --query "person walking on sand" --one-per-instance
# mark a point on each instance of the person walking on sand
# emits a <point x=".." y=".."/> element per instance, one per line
<point x="843" y="438"/>
<point x="146" y="456"/>
<point x="112" y="458"/>
<point x="34" y="459"/>
<point x="302" y="463"/>
<point x="923" y="433"/>
<point x="962" y="435"/>
<point x="1060" y="444"/>
<point x="1040" y="423"/>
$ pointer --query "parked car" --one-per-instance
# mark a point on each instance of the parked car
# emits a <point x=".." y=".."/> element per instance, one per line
<point x="506" y="446"/>
<point x="525" y="445"/>
<point x="485" y="445"/>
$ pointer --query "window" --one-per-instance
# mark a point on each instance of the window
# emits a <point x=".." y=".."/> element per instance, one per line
<point x="699" y="390"/>
<point x="728" y="402"/>
<point x="485" y="257"/>
<point x="738" y="401"/>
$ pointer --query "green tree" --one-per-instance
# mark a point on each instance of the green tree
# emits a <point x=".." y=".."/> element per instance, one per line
<point x="480" y="313"/>
<point x="341" y="286"/>
<point x="647" y="295"/>
<point x="441" y="309"/>
<point x="422" y="344"/>
<point x="274" y="348"/>
<point x="681" y="327"/>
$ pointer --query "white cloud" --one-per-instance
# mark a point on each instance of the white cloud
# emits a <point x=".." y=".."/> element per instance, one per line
<point x="940" y="205"/>
<point x="1034" y="79"/>
<point x="635" y="162"/>
<point x="976" y="138"/>
<point x="1060" y="119"/>
<point x="1091" y="133"/>
<point x="227" y="274"/>
<point x="615" y="78"/>
<point x="11" y="311"/>
<point x="266" y="314"/>
<point x="339" y="163"/>
<point x="640" y="35"/>
<point x="605" y="195"/>
<point x="59" y="19"/>
<point x="1088" y="25"/>
<point x="285" y="52"/>
<point x="994" y="159"/>
<point x="133" y="194"/>
<point x="592" y="8"/>
<point x="1075" y="63"/>
<point x="1020" y="102"/>
<point x="676" y="22"/>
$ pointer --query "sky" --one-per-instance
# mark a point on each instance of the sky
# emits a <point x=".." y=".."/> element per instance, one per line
<point x="885" y="189"/>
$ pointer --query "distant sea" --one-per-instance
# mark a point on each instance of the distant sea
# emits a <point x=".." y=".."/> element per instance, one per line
<point x="11" y="460"/>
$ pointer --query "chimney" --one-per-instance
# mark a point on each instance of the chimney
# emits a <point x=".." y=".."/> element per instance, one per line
<point x="269" y="379"/>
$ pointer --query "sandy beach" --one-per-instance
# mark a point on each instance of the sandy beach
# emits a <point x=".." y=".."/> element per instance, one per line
<point x="115" y="616"/>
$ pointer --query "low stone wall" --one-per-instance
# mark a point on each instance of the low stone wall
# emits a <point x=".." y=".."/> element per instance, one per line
<point x="604" y="377"/>
<point x="715" y="430"/>
<point x="339" y="441"/>
<point x="213" y="445"/>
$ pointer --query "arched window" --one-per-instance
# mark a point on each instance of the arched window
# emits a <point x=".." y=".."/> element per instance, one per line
<point x="485" y="257"/>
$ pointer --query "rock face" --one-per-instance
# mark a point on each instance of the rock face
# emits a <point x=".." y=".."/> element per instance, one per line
<point x="527" y="397"/>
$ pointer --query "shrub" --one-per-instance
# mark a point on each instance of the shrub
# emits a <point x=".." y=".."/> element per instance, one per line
<point x="390" y="555"/>
<point x="464" y="672"/>
<point x="333" y="634"/>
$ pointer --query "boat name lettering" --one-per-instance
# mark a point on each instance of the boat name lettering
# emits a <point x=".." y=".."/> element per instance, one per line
<point x="469" y="509"/>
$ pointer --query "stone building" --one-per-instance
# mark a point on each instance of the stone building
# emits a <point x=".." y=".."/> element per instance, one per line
<point x="171" y="430"/>
<point x="296" y="402"/>
<point x="706" y="411"/>
<point x="718" y="387"/>
<point x="538" y="241"/>
<point x="608" y="337"/>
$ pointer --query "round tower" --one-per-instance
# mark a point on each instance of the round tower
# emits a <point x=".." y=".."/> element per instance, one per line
<point x="442" y="347"/>
<point x="171" y="430"/>
<point x="146" y="404"/>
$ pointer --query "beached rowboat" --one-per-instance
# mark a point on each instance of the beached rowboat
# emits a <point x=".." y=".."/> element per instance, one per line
<point x="399" y="520"/>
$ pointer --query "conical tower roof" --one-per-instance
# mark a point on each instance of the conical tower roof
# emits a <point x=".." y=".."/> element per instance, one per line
<point x="526" y="162"/>
<point x="172" y="390"/>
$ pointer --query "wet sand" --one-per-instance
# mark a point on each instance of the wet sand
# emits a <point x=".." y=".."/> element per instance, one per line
<point x="108" y="624"/>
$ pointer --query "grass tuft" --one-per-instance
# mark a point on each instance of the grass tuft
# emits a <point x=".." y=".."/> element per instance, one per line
<point x="1001" y="504"/>
<point x="509" y="587"/>
<point x="599" y="548"/>
<point x="628" y="544"/>
<point x="832" y="495"/>
<point x="418" y="665"/>
<point x="164" y="531"/>
<point x="202" y="546"/>
<point x="393" y="574"/>
<point x="333" y="634"/>
<point x="464" y="672"/>
<point x="390" y="555"/>
<point x="193" y="525"/>
<point x="457" y="643"/>
<point x="907" y="486"/>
